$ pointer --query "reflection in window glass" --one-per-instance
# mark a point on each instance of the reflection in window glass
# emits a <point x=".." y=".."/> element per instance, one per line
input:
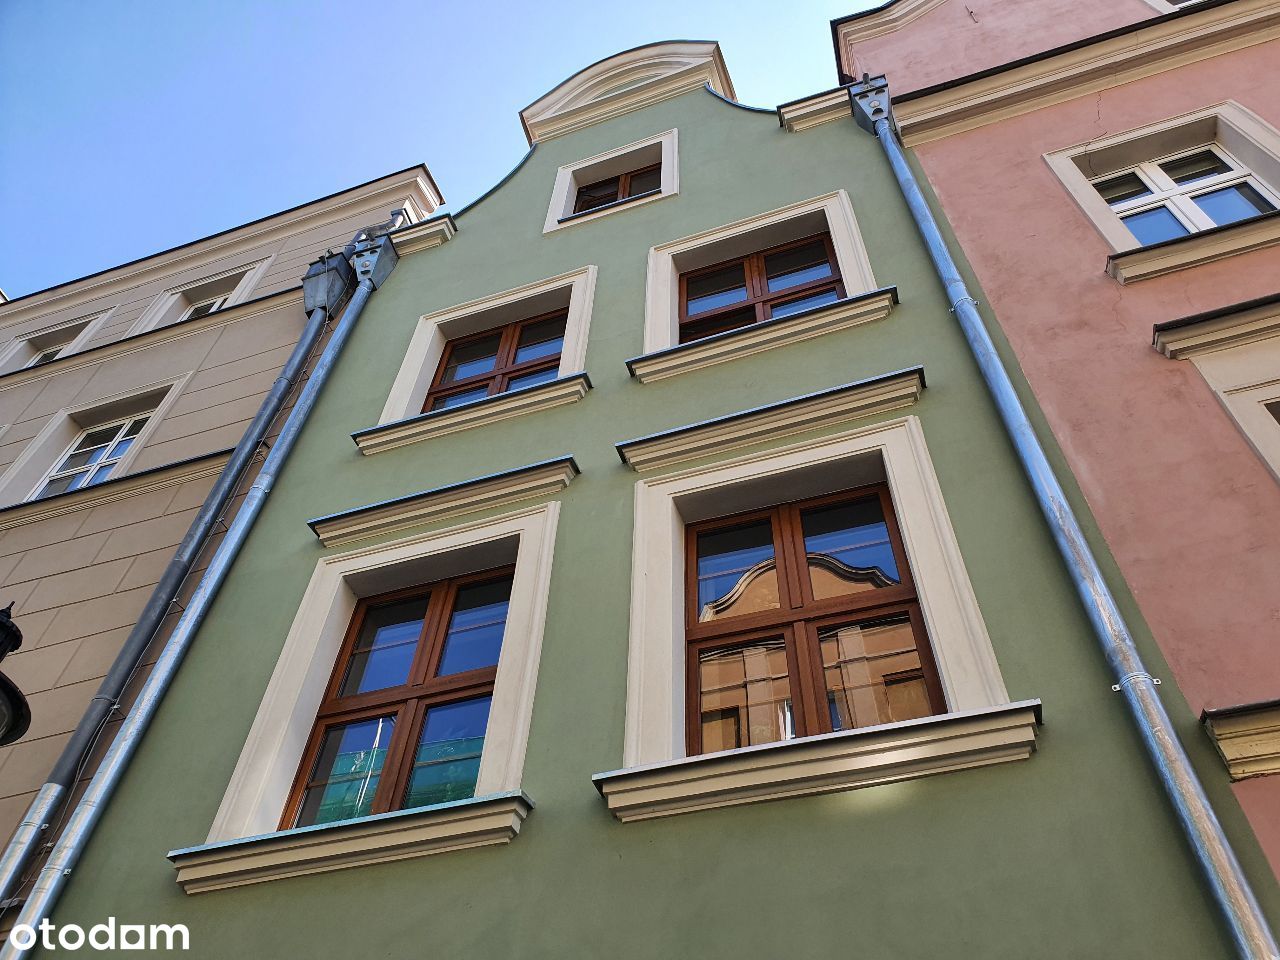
<point x="791" y="268"/>
<point x="472" y="359"/>
<point x="736" y="571"/>
<point x="1155" y="226"/>
<point x="448" y="756"/>
<point x="1237" y="202"/>
<point x="645" y="181"/>
<point x="1195" y="166"/>
<point x="345" y="777"/>
<point x="848" y="549"/>
<point x="93" y="457"/>
<point x="532" y="379"/>
<point x="804" y="303"/>
<point x="745" y="695"/>
<point x="716" y="289"/>
<point x="476" y="627"/>
<point x="873" y="673"/>
<point x="458" y="399"/>
<point x="1121" y="189"/>
<point x="539" y="340"/>
<point x="384" y="650"/>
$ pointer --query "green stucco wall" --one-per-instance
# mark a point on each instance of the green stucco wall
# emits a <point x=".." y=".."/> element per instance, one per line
<point x="1071" y="854"/>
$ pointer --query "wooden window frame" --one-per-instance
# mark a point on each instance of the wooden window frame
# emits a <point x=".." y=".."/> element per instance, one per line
<point x="798" y="617"/>
<point x="505" y="368"/>
<point x="623" y="193"/>
<point x="759" y="297"/>
<point x="407" y="703"/>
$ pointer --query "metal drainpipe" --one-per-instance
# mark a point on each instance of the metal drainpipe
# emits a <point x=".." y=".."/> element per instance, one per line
<point x="872" y="110"/>
<point x="374" y="258"/>
<point x="322" y="301"/>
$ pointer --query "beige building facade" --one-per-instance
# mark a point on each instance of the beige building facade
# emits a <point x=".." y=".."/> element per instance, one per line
<point x="122" y="395"/>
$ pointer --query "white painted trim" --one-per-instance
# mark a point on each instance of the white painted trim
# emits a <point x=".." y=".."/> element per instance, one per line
<point x="161" y="306"/>
<point x="424" y="236"/>
<point x="444" y="827"/>
<point x="967" y="664"/>
<point x="259" y="787"/>
<point x="626" y="82"/>
<point x="663" y="147"/>
<point x="92" y="324"/>
<point x="575" y="290"/>
<point x="832" y="211"/>
<point x="845" y="760"/>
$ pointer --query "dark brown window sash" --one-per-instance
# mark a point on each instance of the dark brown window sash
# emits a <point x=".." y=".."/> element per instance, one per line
<point x="799" y="617"/>
<point x="760" y="301"/>
<point x="408" y="703"/>
<point x="505" y="368"/>
<point x="623" y="191"/>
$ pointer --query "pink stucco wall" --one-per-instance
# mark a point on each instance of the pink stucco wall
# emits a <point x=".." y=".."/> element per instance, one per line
<point x="1187" y="507"/>
<point x="961" y="37"/>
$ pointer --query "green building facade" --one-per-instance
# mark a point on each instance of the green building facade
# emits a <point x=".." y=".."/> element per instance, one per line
<point x="985" y="796"/>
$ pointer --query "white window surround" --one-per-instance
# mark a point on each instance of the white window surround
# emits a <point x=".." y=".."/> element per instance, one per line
<point x="1246" y="137"/>
<point x="26" y="474"/>
<point x="832" y="212"/>
<point x="1238" y="355"/>
<point x="90" y="470"/>
<point x="574" y="290"/>
<point x="662" y="148"/>
<point x="175" y="303"/>
<point x="24" y="349"/>
<point x="893" y="452"/>
<point x="259" y="786"/>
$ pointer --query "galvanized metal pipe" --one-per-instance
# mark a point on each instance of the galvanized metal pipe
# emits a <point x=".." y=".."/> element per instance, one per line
<point x="1234" y="896"/>
<point x="66" y="853"/>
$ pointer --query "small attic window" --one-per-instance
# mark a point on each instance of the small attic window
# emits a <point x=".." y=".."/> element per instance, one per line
<point x="47" y="345"/>
<point x="201" y="297"/>
<point x="620" y="179"/>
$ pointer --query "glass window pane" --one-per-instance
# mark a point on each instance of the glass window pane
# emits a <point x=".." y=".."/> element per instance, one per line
<point x="533" y="379"/>
<point x="716" y="289"/>
<point x="597" y="195"/>
<point x="1127" y="186"/>
<point x="121" y="447"/>
<point x="737" y="572"/>
<point x="720" y="323"/>
<point x="46" y="356"/>
<point x="873" y="673"/>
<point x="744" y="696"/>
<point x="1195" y="166"/>
<point x="384" y="650"/>
<point x="136" y="426"/>
<point x="645" y="182"/>
<point x="346" y="773"/>
<point x="448" y="757"/>
<point x="98" y="438"/>
<point x="60" y="485"/>
<point x="472" y="359"/>
<point x="458" y="399"/>
<point x="848" y="549"/>
<point x="1153" y="226"/>
<point x="802" y="264"/>
<point x="804" y="303"/>
<point x="82" y="458"/>
<point x="102" y="473"/>
<point x="542" y="339"/>
<point x="476" y="627"/>
<point x="1273" y="408"/>
<point x="1232" y="203"/>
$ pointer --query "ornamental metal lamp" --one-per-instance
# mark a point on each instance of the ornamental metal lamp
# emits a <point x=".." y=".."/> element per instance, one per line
<point x="15" y="715"/>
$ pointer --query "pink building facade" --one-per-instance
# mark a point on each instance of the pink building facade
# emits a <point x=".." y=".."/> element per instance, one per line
<point x="1113" y="176"/>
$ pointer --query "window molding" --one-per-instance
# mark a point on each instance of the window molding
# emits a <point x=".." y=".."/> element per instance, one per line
<point x="574" y="291"/>
<point x="25" y="348"/>
<point x="1245" y="136"/>
<point x="1237" y="351"/>
<point x="893" y="452"/>
<point x="259" y="786"/>
<point x="24" y="477"/>
<point x="171" y="306"/>
<point x="832" y="212"/>
<point x="845" y="760"/>
<point x="1247" y="737"/>
<point x="663" y="148"/>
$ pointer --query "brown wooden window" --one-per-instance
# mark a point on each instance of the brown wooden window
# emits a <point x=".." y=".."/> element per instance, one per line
<point x="803" y="619"/>
<point x="521" y="354"/>
<point x="403" y="718"/>
<point x="627" y="186"/>
<point x="772" y="283"/>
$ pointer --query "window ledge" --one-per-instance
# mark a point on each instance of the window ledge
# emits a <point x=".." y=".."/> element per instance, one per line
<point x="613" y="205"/>
<point x="849" y="401"/>
<point x="822" y="764"/>
<point x="745" y="341"/>
<point x="1247" y="737"/>
<point x="438" y="423"/>
<point x="1194" y="249"/>
<point x="480" y="821"/>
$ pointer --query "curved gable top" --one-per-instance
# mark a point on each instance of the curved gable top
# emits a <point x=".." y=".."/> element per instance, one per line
<point x="624" y="82"/>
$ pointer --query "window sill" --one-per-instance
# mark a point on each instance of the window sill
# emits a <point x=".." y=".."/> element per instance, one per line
<point x="610" y="207"/>
<point x="1194" y="249"/>
<point x="1247" y="738"/>
<point x="481" y="821"/>
<point x="825" y="763"/>
<point x="746" y="341"/>
<point x="438" y="423"/>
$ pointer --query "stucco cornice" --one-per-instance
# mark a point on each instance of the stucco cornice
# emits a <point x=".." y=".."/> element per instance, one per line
<point x="1247" y="737"/>
<point x="886" y="18"/>
<point x="625" y="82"/>
<point x="1218" y="329"/>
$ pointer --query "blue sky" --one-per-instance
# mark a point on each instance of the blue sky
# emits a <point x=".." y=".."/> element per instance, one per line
<point x="128" y="127"/>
